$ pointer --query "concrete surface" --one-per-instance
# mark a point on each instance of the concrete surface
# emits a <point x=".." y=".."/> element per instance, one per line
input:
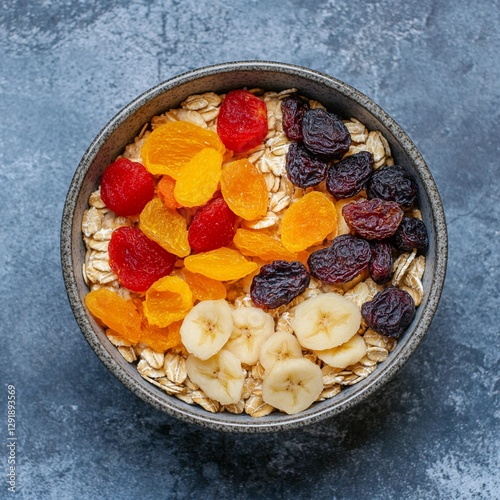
<point x="66" y="68"/>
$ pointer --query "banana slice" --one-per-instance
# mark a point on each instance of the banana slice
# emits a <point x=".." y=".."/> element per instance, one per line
<point x="325" y="321"/>
<point x="207" y="327"/>
<point x="278" y="347"/>
<point x="292" y="385"/>
<point x="252" y="327"/>
<point x="344" y="355"/>
<point x="219" y="377"/>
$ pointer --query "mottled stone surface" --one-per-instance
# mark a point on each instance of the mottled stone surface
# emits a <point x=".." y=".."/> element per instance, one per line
<point x="66" y="68"/>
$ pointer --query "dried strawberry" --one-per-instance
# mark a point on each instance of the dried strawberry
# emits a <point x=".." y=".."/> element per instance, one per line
<point x="136" y="260"/>
<point x="212" y="226"/>
<point x="242" y="121"/>
<point x="126" y="187"/>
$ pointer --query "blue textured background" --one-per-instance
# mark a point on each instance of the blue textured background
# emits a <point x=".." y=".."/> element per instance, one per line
<point x="67" y="67"/>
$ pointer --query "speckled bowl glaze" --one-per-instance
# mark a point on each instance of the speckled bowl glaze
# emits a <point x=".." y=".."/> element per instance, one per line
<point x="337" y="96"/>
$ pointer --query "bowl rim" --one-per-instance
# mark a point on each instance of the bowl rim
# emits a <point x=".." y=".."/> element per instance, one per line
<point x="285" y="422"/>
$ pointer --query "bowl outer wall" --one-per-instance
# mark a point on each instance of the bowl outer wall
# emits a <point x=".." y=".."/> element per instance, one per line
<point x="336" y="95"/>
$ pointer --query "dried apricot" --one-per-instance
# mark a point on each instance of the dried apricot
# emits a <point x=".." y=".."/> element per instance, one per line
<point x="166" y="192"/>
<point x="165" y="226"/>
<point x="199" y="178"/>
<point x="223" y="264"/>
<point x="170" y="146"/>
<point x="116" y="313"/>
<point x="204" y="288"/>
<point x="259" y="244"/>
<point x="308" y="222"/>
<point x="167" y="300"/>
<point x="244" y="189"/>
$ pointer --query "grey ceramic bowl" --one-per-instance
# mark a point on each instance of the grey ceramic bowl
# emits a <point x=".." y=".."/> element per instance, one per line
<point x="339" y="97"/>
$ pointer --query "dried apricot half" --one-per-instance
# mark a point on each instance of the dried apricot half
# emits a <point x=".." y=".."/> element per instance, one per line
<point x="204" y="288"/>
<point x="259" y="244"/>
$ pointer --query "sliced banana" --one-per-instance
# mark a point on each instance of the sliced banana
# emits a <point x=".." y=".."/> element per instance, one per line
<point x="207" y="327"/>
<point x="325" y="321"/>
<point x="252" y="327"/>
<point x="344" y="355"/>
<point x="292" y="385"/>
<point x="219" y="377"/>
<point x="278" y="347"/>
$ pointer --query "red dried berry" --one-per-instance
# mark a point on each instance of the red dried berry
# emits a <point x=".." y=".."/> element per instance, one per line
<point x="302" y="168"/>
<point x="373" y="219"/>
<point x="393" y="183"/>
<point x="381" y="262"/>
<point x="348" y="177"/>
<point x="242" y="121"/>
<point x="279" y="283"/>
<point x="136" y="260"/>
<point x="390" y="311"/>
<point x="293" y="109"/>
<point x="411" y="234"/>
<point x="325" y="134"/>
<point x="212" y="226"/>
<point x="342" y="261"/>
<point x="126" y="187"/>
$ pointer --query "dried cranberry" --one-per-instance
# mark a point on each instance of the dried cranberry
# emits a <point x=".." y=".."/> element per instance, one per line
<point x="393" y="183"/>
<point x="390" y="311"/>
<point x="303" y="169"/>
<point x="126" y="187"/>
<point x="381" y="262"/>
<point x="212" y="226"/>
<point x="325" y="134"/>
<point x="279" y="283"/>
<point x="136" y="260"/>
<point x="342" y="261"/>
<point x="411" y="234"/>
<point x="293" y="109"/>
<point x="373" y="219"/>
<point x="348" y="177"/>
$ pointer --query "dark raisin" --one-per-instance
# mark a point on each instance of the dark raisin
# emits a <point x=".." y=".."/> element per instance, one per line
<point x="393" y="183"/>
<point x="381" y="262"/>
<point x="279" y="283"/>
<point x="411" y="234"/>
<point x="348" y="177"/>
<point x="325" y="134"/>
<point x="293" y="109"/>
<point x="342" y="261"/>
<point x="303" y="169"/>
<point x="373" y="219"/>
<point x="390" y="311"/>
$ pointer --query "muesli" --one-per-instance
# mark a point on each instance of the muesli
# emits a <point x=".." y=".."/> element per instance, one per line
<point x="253" y="252"/>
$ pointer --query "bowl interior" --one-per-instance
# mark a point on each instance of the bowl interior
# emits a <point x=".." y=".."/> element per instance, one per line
<point x="338" y="97"/>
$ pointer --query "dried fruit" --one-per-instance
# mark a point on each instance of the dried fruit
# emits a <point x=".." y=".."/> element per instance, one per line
<point x="166" y="188"/>
<point x="308" y="222"/>
<point x="342" y="261"/>
<point x="212" y="226"/>
<point x="170" y="146"/>
<point x="162" y="339"/>
<point x="166" y="227"/>
<point x="244" y="189"/>
<point x="136" y="260"/>
<point x="381" y="262"/>
<point x="390" y="311"/>
<point x="293" y="109"/>
<point x="223" y="264"/>
<point x="204" y="288"/>
<point x="325" y="134"/>
<point x="126" y="187"/>
<point x="116" y="313"/>
<point x="259" y="244"/>
<point x="373" y="219"/>
<point x="242" y="121"/>
<point x="303" y="169"/>
<point x="393" y="183"/>
<point x="348" y="177"/>
<point x="411" y="234"/>
<point x="199" y="178"/>
<point x="167" y="300"/>
<point x="279" y="283"/>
